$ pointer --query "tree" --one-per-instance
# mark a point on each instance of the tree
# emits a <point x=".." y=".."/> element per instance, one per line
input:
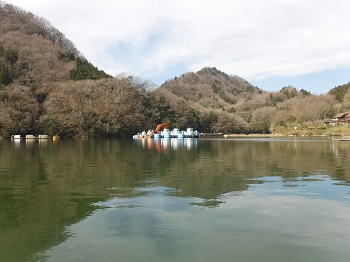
<point x="8" y="59"/>
<point x="106" y="107"/>
<point x="261" y="120"/>
<point x="313" y="108"/>
<point x="289" y="91"/>
<point x="207" y="121"/>
<point x="346" y="100"/>
<point x="85" y="70"/>
<point x="20" y="110"/>
<point x="340" y="91"/>
<point x="230" y="124"/>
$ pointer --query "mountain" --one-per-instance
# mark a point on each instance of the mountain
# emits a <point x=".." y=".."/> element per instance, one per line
<point x="47" y="86"/>
<point x="208" y="88"/>
<point x="34" y="53"/>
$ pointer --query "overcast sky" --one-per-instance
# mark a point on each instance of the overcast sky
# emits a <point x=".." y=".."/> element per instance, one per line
<point x="270" y="43"/>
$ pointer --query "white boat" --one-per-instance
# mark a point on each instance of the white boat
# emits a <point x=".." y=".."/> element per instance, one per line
<point x="166" y="133"/>
<point x="16" y="137"/>
<point x="30" y="137"/>
<point x="43" y="137"/>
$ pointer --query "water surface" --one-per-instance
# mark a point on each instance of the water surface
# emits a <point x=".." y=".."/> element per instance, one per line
<point x="175" y="200"/>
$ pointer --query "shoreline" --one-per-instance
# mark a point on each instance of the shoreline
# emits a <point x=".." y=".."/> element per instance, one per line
<point x="338" y="135"/>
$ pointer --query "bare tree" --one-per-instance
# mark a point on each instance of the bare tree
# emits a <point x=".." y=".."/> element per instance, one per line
<point x="313" y="108"/>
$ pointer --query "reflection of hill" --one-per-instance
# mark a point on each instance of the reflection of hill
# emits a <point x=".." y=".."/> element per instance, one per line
<point x="35" y="204"/>
<point x="45" y="187"/>
<point x="214" y="168"/>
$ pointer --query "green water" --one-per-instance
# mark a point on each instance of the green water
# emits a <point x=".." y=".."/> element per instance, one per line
<point x="175" y="200"/>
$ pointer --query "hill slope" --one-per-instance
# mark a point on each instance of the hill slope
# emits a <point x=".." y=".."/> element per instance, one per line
<point x="39" y="52"/>
<point x="34" y="53"/>
<point x="37" y="68"/>
<point x="208" y="88"/>
<point x="340" y="91"/>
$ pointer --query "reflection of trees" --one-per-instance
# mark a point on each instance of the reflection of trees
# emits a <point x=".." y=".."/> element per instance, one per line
<point x="34" y="210"/>
<point x="46" y="187"/>
<point x="214" y="168"/>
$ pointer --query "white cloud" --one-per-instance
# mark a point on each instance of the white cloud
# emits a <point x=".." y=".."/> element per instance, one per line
<point x="251" y="38"/>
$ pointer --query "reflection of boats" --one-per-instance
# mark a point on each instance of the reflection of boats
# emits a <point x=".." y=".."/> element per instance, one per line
<point x="30" y="137"/>
<point x="162" y="145"/>
<point x="167" y="133"/>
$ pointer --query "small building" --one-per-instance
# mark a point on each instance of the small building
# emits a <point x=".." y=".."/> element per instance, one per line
<point x="342" y="117"/>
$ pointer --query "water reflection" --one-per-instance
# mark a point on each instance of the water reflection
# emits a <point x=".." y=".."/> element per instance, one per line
<point x="175" y="199"/>
<point x="268" y="222"/>
<point x="165" y="144"/>
<point x="16" y="143"/>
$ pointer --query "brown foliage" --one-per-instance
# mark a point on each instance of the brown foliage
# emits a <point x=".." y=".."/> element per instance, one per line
<point x="209" y="88"/>
<point x="19" y="110"/>
<point x="38" y="44"/>
<point x="88" y="108"/>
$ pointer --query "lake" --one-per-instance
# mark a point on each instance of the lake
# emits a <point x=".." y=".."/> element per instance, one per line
<point x="244" y="199"/>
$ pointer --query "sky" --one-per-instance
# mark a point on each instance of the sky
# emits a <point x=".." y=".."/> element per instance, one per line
<point x="270" y="43"/>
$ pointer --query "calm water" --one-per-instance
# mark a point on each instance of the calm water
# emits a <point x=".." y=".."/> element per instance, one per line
<point x="187" y="200"/>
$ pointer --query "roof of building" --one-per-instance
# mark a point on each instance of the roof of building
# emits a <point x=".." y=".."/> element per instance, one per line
<point x="343" y="114"/>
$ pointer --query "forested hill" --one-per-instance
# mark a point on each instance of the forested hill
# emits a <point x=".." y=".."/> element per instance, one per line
<point x="232" y="105"/>
<point x="33" y="52"/>
<point x="341" y="93"/>
<point x="209" y="88"/>
<point x="48" y="87"/>
<point x="36" y="60"/>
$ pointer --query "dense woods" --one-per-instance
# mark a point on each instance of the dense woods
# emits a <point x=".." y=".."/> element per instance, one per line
<point x="48" y="87"/>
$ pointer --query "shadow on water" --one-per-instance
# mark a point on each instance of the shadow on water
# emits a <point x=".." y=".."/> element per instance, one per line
<point x="46" y="186"/>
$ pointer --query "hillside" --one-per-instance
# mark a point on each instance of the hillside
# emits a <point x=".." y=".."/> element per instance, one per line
<point x="45" y="83"/>
<point x="208" y="88"/>
<point x="233" y="105"/>
<point x="32" y="52"/>
<point x="340" y="92"/>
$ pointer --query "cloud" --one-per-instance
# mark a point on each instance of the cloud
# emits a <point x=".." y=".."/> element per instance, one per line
<point x="251" y="38"/>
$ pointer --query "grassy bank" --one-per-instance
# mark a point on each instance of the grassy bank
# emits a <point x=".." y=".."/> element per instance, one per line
<point x="335" y="131"/>
<point x="340" y="130"/>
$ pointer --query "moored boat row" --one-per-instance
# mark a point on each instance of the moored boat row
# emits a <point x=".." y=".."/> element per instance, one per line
<point x="30" y="137"/>
<point x="167" y="133"/>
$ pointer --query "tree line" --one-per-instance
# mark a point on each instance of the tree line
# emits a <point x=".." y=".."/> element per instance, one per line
<point x="107" y="107"/>
<point x="113" y="107"/>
